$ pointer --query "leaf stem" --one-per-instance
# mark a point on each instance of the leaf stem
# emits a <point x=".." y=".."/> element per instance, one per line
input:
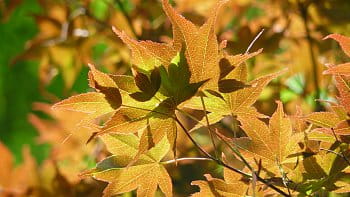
<point x="190" y="116"/>
<point x="187" y="159"/>
<point x="149" y="110"/>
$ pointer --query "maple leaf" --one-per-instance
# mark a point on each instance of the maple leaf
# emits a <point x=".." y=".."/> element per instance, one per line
<point x="233" y="61"/>
<point x="214" y="187"/>
<point x="272" y="144"/>
<point x="202" y="50"/>
<point x="30" y="179"/>
<point x="342" y="84"/>
<point x="323" y="119"/>
<point x="67" y="138"/>
<point x="330" y="122"/>
<point x="148" y="55"/>
<point x="149" y="116"/>
<point x="237" y="103"/>
<point x="324" y="170"/>
<point x="145" y="175"/>
<point x="159" y="89"/>
<point x="19" y="180"/>
<point x="154" y="117"/>
<point x="106" y="100"/>
<point x="343" y="41"/>
<point x="93" y="103"/>
<point x="343" y="186"/>
<point x="115" y="94"/>
<point x="233" y="184"/>
<point x="342" y="69"/>
<point x="337" y="121"/>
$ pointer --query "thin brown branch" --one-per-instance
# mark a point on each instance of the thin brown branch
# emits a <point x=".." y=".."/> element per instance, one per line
<point x="219" y="162"/>
<point x="208" y="126"/>
<point x="126" y="15"/>
<point x="206" y="153"/>
<point x="338" y="154"/>
<point x="254" y="40"/>
<point x="304" y="13"/>
<point x="341" y="154"/>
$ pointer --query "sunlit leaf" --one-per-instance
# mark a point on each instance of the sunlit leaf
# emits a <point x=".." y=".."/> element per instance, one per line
<point x="272" y="144"/>
<point x="147" y="55"/>
<point x="202" y="50"/>
<point x="145" y="175"/>
<point x="216" y="187"/>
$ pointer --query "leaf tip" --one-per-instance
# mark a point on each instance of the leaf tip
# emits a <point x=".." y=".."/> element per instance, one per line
<point x="91" y="66"/>
<point x="117" y="32"/>
<point x="260" y="50"/>
<point x="56" y="106"/>
<point x="326" y="72"/>
<point x="86" y="173"/>
<point x="279" y="105"/>
<point x="93" y="135"/>
<point x="333" y="36"/>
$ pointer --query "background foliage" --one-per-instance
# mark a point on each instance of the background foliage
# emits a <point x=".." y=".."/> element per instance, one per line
<point x="46" y="47"/>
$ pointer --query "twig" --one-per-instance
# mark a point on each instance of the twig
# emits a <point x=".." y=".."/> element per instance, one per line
<point x="206" y="153"/>
<point x="254" y="40"/>
<point x="190" y="116"/>
<point x="123" y="10"/>
<point x="255" y="174"/>
<point x="335" y="136"/>
<point x="331" y="151"/>
<point x="236" y="152"/>
<point x="304" y="14"/>
<point x="338" y="154"/>
<point x="342" y="155"/>
<point x="285" y="179"/>
<point x="219" y="162"/>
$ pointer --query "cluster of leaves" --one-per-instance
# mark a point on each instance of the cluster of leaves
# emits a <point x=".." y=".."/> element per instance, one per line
<point x="189" y="89"/>
<point x="137" y="118"/>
